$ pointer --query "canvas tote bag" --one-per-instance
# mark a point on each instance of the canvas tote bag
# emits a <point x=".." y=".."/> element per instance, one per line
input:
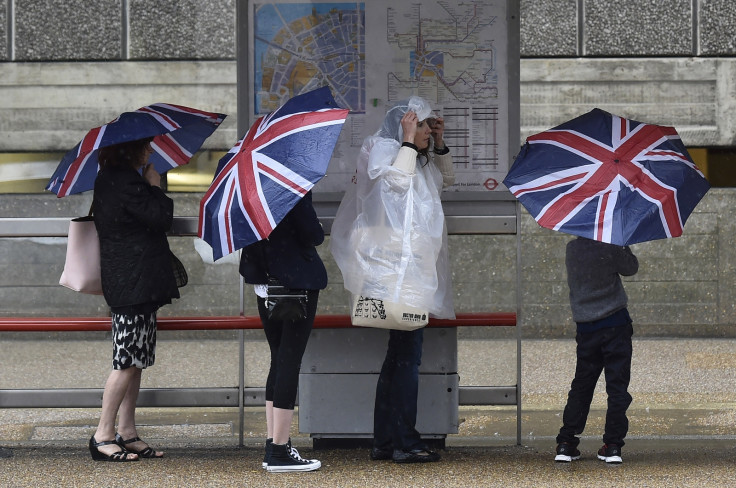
<point x="82" y="265"/>
<point x="371" y="312"/>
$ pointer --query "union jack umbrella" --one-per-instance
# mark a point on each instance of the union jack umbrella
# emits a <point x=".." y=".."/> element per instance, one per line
<point x="283" y="155"/>
<point x="178" y="132"/>
<point x="608" y="178"/>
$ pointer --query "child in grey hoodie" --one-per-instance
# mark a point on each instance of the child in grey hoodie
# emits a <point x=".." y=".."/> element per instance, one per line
<point x="598" y="302"/>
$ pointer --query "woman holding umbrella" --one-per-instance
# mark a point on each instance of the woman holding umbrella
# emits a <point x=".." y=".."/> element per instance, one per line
<point x="132" y="215"/>
<point x="260" y="201"/>
<point x="289" y="257"/>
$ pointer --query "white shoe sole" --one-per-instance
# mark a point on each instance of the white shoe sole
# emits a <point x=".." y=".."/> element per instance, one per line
<point x="294" y="468"/>
<point x="611" y="459"/>
<point x="561" y="458"/>
<point x="264" y="464"/>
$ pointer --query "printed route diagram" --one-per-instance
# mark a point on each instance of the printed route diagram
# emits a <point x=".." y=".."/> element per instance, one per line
<point x="303" y="46"/>
<point x="375" y="53"/>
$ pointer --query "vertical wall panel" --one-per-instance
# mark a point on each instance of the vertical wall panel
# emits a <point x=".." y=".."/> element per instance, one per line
<point x="55" y="30"/>
<point x="717" y="27"/>
<point x="548" y="28"/>
<point x="638" y="28"/>
<point x="182" y="29"/>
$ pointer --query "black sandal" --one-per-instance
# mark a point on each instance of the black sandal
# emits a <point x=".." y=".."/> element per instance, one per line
<point x="117" y="457"/>
<point x="148" y="452"/>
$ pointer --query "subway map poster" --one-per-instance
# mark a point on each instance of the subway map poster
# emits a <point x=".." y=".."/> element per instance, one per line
<point x="374" y="53"/>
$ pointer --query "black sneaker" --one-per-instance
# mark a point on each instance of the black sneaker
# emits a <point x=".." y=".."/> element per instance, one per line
<point x="378" y="454"/>
<point x="285" y="459"/>
<point x="414" y="456"/>
<point x="610" y="453"/>
<point x="566" y="452"/>
<point x="269" y="441"/>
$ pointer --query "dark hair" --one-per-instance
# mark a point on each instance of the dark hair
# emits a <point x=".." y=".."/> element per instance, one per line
<point x="124" y="155"/>
<point x="423" y="156"/>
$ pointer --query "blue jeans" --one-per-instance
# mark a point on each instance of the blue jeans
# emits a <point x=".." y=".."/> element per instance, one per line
<point x="395" y="412"/>
<point x="606" y="350"/>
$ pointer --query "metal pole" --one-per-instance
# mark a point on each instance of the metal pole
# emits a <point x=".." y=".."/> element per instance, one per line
<point x="242" y="53"/>
<point x="519" y="295"/>
<point x="242" y="50"/>
<point x="241" y="385"/>
<point x="241" y="365"/>
<point x="513" y="15"/>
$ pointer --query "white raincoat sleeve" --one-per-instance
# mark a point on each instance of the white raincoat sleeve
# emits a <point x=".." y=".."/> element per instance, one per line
<point x="406" y="160"/>
<point x="444" y="164"/>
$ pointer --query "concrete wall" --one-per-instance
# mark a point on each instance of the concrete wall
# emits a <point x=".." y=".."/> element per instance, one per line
<point x="661" y="62"/>
<point x="571" y="28"/>
<point x="685" y="287"/>
<point x="50" y="106"/>
<point x="115" y="30"/>
<point x="53" y="30"/>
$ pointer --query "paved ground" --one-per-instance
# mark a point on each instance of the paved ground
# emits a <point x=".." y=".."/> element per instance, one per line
<point x="682" y="422"/>
<point x="647" y="465"/>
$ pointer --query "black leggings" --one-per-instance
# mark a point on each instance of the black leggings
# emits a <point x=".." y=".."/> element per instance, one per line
<point x="287" y="342"/>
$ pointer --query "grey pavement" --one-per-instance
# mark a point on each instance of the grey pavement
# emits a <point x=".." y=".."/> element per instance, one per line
<point x="681" y="421"/>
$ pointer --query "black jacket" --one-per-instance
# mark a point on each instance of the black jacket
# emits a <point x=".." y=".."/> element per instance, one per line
<point x="289" y="253"/>
<point x="132" y="218"/>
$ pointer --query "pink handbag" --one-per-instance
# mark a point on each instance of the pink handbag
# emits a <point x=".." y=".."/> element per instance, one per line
<point x="82" y="266"/>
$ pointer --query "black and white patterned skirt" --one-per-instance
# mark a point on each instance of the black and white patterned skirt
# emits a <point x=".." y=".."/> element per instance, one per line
<point x="133" y="340"/>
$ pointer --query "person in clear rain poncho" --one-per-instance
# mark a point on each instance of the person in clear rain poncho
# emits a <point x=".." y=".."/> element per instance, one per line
<point x="390" y="242"/>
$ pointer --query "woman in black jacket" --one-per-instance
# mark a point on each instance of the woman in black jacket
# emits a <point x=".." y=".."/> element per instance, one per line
<point x="288" y="255"/>
<point x="132" y="215"/>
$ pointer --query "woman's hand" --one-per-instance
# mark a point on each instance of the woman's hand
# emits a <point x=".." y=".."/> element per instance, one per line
<point x="438" y="132"/>
<point x="409" y="126"/>
<point x="151" y="175"/>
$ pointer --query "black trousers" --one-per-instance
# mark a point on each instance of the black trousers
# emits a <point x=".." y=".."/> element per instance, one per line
<point x="287" y="342"/>
<point x="607" y="350"/>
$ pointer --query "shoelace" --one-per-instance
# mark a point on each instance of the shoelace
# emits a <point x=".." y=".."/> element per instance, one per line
<point x="295" y="454"/>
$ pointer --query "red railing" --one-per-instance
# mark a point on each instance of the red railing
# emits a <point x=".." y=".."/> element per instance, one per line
<point x="77" y="324"/>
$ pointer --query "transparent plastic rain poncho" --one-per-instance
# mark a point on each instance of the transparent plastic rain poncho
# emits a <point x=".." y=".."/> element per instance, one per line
<point x="389" y="237"/>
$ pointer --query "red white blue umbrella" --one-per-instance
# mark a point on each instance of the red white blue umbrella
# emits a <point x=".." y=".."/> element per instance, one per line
<point x="178" y="132"/>
<point x="608" y="178"/>
<point x="283" y="155"/>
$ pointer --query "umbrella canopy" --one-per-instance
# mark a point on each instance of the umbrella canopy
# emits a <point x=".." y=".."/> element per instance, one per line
<point x="608" y="178"/>
<point x="283" y="155"/>
<point x="178" y="132"/>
